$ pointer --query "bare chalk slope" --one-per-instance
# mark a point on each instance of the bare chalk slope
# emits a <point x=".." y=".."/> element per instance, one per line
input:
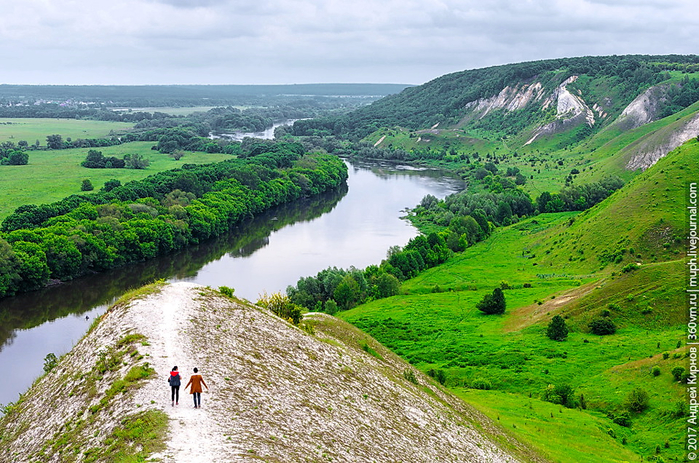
<point x="278" y="393"/>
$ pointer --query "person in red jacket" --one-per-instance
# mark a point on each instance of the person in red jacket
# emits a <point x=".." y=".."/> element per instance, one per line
<point x="175" y="381"/>
<point x="196" y="381"/>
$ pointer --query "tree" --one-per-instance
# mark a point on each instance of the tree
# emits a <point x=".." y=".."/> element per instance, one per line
<point x="136" y="161"/>
<point x="54" y="142"/>
<point x="87" y="185"/>
<point x="93" y="160"/>
<point x="637" y="400"/>
<point x="557" y="329"/>
<point x="17" y="158"/>
<point x="602" y="326"/>
<point x="109" y="185"/>
<point x="493" y="303"/>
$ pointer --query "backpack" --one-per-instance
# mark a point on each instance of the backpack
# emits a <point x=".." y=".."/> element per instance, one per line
<point x="174" y="380"/>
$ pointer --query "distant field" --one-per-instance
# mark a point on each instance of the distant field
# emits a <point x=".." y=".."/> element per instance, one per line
<point x="53" y="175"/>
<point x="31" y="130"/>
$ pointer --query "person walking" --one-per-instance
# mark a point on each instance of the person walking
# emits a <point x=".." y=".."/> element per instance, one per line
<point x="175" y="381"/>
<point x="196" y="381"/>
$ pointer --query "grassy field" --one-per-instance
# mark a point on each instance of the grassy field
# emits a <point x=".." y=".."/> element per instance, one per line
<point x="31" y="130"/>
<point x="564" y="264"/>
<point x="52" y="175"/>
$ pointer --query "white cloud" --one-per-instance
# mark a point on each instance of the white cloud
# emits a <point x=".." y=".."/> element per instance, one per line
<point x="243" y="41"/>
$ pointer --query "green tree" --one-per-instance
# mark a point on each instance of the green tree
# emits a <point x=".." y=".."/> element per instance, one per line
<point x="87" y="185"/>
<point x="602" y="326"/>
<point x="109" y="185"/>
<point x="136" y="161"/>
<point x="54" y="142"/>
<point x="557" y="329"/>
<point x="637" y="400"/>
<point x="493" y="303"/>
<point x="17" y="158"/>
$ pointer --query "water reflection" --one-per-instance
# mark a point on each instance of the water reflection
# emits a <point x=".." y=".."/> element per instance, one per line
<point x="353" y="226"/>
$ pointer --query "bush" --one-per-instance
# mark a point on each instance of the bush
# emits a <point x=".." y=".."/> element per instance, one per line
<point x="656" y="371"/>
<point x="281" y="306"/>
<point x="678" y="373"/>
<point x="623" y="419"/>
<point x="637" y="400"/>
<point x="557" y="329"/>
<point x="493" y="303"/>
<point x="439" y="375"/>
<point x="87" y="185"/>
<point x="482" y="384"/>
<point x="561" y="394"/>
<point x="602" y="326"/>
<point x="50" y="362"/>
<point x="410" y="376"/>
<point x="226" y="291"/>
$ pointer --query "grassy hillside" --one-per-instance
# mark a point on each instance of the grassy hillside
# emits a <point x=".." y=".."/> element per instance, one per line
<point x="567" y="264"/>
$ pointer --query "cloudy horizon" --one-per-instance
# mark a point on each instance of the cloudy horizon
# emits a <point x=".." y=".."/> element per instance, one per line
<point x="149" y="42"/>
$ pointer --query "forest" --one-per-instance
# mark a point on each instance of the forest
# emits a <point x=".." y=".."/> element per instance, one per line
<point x="158" y="215"/>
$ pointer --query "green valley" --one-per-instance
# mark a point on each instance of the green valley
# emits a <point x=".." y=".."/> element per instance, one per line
<point x="621" y="260"/>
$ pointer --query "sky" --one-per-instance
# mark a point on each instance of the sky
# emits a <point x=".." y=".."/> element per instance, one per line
<point x="132" y="42"/>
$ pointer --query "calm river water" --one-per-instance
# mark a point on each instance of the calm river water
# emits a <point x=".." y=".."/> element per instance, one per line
<point x="354" y="226"/>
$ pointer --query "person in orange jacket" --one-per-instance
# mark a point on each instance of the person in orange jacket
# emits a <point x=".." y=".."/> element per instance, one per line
<point x="196" y="381"/>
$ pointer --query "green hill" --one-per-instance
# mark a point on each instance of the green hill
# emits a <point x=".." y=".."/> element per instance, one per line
<point x="561" y="121"/>
<point x="620" y="261"/>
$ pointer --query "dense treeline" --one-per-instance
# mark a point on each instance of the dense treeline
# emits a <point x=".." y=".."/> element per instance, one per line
<point x="155" y="216"/>
<point x="336" y="289"/>
<point x="469" y="217"/>
<point x="443" y="99"/>
<point x="578" y="197"/>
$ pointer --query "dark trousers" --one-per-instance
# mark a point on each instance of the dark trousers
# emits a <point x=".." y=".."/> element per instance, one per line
<point x="197" y="399"/>
<point x="175" y="393"/>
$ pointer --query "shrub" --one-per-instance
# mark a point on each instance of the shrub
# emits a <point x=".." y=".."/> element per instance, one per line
<point x="561" y="394"/>
<point x="493" y="303"/>
<point x="678" y="373"/>
<point x="410" y="376"/>
<point x="87" y="185"/>
<point x="50" y="362"/>
<point x="637" y="400"/>
<point x="629" y="267"/>
<point x="602" y="326"/>
<point x="331" y="307"/>
<point x="483" y="384"/>
<point x="557" y="329"/>
<point x="281" y="306"/>
<point x="226" y="291"/>
<point x="439" y="375"/>
<point x="656" y="371"/>
<point x="623" y="419"/>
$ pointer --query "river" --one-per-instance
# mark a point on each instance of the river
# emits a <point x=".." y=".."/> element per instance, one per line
<point x="353" y="226"/>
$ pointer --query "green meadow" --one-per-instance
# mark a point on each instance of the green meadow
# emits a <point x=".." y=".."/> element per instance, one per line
<point x="30" y="130"/>
<point x="620" y="260"/>
<point x="51" y="175"/>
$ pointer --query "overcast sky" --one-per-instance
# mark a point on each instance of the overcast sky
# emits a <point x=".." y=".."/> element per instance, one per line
<point x="309" y="41"/>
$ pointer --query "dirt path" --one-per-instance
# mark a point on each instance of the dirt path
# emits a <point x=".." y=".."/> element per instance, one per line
<point x="194" y="435"/>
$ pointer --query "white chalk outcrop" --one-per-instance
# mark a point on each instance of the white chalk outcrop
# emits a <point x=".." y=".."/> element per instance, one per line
<point x="278" y="393"/>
